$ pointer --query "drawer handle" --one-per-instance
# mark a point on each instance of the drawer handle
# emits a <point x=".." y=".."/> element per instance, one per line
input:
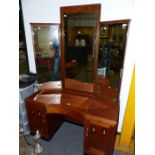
<point x="87" y="132"/>
<point x="114" y="99"/>
<point x="93" y="129"/>
<point x="35" y="98"/>
<point x="39" y="113"/>
<point x="32" y="112"/>
<point x="68" y="104"/>
<point x="104" y="133"/>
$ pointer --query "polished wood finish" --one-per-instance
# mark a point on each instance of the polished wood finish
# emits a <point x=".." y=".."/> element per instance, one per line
<point x="50" y="86"/>
<point x="124" y="21"/>
<point x="48" y="108"/>
<point x="79" y="86"/>
<point x="43" y="24"/>
<point x="92" y="8"/>
<point x="93" y="105"/>
<point x="40" y="120"/>
<point x="99" y="136"/>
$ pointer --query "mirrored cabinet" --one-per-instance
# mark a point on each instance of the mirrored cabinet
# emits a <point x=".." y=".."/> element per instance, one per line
<point x="91" y="61"/>
<point x="79" y="28"/>
<point x="46" y="44"/>
<point x="113" y="36"/>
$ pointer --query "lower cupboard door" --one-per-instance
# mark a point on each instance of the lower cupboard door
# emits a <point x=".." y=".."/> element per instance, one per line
<point x="101" y="139"/>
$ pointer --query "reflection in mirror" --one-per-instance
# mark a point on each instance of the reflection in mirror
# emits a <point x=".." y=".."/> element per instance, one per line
<point x="46" y="50"/>
<point x="23" y="60"/>
<point x="79" y="45"/>
<point x="111" y="50"/>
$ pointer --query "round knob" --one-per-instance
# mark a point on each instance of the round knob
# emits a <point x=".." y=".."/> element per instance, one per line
<point x="93" y="129"/>
<point x="68" y="104"/>
<point x="114" y="99"/>
<point x="104" y="133"/>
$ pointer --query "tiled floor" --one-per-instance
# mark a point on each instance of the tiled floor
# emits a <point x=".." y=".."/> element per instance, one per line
<point x="68" y="140"/>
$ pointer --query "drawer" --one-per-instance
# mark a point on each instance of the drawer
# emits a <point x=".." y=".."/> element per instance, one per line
<point x="99" y="137"/>
<point x="74" y="115"/>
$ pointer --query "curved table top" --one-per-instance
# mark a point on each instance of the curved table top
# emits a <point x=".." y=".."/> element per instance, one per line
<point x="55" y="100"/>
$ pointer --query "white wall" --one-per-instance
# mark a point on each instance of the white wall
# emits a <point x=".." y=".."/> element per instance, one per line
<point x="48" y="11"/>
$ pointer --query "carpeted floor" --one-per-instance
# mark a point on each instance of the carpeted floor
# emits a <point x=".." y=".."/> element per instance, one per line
<point x="68" y="140"/>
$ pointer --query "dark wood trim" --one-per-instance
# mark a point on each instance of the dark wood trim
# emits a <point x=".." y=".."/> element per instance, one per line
<point x="123" y="21"/>
<point x="62" y="64"/>
<point x="42" y="24"/>
<point x="81" y="8"/>
<point x="96" y="55"/>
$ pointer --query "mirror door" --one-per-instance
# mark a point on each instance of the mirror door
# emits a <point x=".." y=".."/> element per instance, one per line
<point x="78" y="44"/>
<point x="46" y="50"/>
<point x="113" y="35"/>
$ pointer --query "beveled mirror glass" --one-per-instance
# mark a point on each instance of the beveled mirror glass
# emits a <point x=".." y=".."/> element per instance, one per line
<point x="112" y="44"/>
<point x="78" y="45"/>
<point x="46" y="40"/>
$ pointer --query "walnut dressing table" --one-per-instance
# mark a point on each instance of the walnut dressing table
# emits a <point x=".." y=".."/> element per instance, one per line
<point x="93" y="104"/>
<point x="50" y="106"/>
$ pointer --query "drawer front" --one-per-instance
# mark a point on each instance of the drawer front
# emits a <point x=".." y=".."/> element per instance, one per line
<point x="37" y="118"/>
<point x="41" y="122"/>
<point x="99" y="138"/>
<point x="31" y="117"/>
<point x="74" y="115"/>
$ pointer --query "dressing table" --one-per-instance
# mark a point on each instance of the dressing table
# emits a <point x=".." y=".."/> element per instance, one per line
<point x="48" y="108"/>
<point x="93" y="105"/>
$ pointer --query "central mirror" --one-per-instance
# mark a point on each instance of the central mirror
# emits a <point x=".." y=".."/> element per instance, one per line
<point x="79" y="28"/>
